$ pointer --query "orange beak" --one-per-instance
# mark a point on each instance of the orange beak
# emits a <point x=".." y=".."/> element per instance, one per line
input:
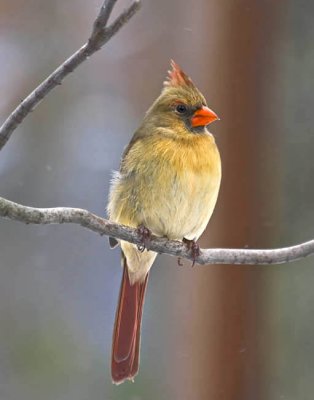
<point x="203" y="117"/>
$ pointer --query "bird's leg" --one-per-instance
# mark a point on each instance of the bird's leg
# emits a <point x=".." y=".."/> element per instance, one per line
<point x="145" y="235"/>
<point x="180" y="262"/>
<point x="194" y="247"/>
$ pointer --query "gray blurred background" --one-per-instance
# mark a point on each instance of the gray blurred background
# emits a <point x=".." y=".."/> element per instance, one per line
<point x="215" y="332"/>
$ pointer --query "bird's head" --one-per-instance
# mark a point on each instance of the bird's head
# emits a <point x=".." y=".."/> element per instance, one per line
<point x="180" y="107"/>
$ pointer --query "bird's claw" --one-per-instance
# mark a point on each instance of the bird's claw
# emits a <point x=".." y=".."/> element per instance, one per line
<point x="193" y="247"/>
<point x="180" y="263"/>
<point x="145" y="235"/>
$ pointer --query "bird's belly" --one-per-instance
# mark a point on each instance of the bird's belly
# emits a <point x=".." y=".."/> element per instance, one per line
<point x="182" y="207"/>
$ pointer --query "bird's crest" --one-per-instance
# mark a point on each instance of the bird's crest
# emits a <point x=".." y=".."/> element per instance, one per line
<point x="176" y="77"/>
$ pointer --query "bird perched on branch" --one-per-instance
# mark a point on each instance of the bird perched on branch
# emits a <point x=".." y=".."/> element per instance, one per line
<point x="167" y="185"/>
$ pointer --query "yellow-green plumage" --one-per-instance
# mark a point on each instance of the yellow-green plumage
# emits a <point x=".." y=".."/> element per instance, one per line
<point x="169" y="177"/>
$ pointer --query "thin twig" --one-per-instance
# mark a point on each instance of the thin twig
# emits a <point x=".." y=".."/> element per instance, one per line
<point x="103" y="16"/>
<point x="101" y="33"/>
<point x="30" y="215"/>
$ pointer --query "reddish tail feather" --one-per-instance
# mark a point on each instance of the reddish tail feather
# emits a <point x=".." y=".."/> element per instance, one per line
<point x="127" y="329"/>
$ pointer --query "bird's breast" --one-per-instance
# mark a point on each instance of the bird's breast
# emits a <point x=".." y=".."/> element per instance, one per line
<point x="171" y="186"/>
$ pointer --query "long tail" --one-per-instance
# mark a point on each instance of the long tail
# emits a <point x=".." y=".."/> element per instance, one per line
<point x="127" y="329"/>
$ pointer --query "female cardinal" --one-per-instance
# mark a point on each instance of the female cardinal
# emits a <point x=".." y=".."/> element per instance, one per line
<point x="168" y="182"/>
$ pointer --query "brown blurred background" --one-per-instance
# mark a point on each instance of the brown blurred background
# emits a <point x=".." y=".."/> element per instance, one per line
<point x="215" y="332"/>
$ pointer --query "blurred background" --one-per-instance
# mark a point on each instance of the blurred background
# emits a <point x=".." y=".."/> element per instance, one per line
<point x="214" y="332"/>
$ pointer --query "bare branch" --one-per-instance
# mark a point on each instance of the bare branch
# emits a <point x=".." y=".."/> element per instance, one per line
<point x="30" y="215"/>
<point x="103" y="15"/>
<point x="100" y="35"/>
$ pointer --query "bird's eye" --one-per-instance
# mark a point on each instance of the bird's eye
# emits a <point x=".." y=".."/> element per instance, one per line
<point x="181" y="108"/>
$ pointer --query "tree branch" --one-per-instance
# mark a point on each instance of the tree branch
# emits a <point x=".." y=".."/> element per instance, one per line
<point x="59" y="215"/>
<point x="101" y="33"/>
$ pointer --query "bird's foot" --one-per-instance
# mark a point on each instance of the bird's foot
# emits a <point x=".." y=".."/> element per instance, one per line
<point x="180" y="263"/>
<point x="193" y="247"/>
<point x="145" y="235"/>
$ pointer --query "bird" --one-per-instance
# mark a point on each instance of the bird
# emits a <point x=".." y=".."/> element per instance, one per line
<point x="167" y="185"/>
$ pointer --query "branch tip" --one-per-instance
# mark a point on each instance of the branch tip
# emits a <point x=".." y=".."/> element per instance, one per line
<point x="101" y="33"/>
